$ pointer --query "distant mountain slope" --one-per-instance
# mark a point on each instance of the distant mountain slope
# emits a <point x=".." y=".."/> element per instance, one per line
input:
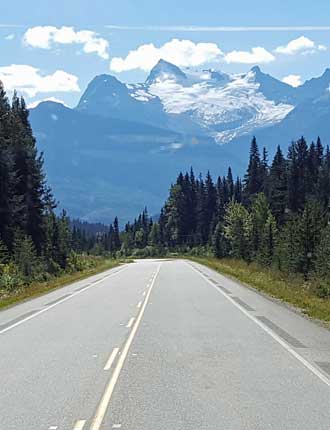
<point x="101" y="167"/>
<point x="123" y="144"/>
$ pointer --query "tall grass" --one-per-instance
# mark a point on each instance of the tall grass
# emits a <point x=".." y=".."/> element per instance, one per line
<point x="291" y="289"/>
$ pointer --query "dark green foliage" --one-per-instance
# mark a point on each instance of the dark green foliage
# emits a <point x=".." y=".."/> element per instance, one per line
<point x="255" y="175"/>
<point x="276" y="217"/>
<point x="34" y="241"/>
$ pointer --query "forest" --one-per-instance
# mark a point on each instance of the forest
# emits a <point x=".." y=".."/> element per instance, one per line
<point x="36" y="243"/>
<point x="277" y="215"/>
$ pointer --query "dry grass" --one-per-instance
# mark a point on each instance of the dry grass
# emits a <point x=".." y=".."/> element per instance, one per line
<point x="293" y="290"/>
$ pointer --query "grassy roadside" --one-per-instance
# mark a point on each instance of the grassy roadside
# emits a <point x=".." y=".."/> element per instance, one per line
<point x="39" y="288"/>
<point x="293" y="290"/>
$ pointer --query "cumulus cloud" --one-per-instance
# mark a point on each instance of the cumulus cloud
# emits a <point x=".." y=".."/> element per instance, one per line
<point x="179" y="52"/>
<point x="28" y="80"/>
<point x="45" y="37"/>
<point x="301" y="45"/>
<point x="257" y="55"/>
<point x="47" y="99"/>
<point x="293" y="80"/>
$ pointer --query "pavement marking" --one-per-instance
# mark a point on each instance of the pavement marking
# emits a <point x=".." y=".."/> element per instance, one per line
<point x="53" y="427"/>
<point x="130" y="323"/>
<point x="243" y="304"/>
<point x="144" y="293"/>
<point x="139" y="305"/>
<point x="116" y="426"/>
<point x="271" y="333"/>
<point x="37" y="313"/>
<point x="282" y="333"/>
<point x="111" y="359"/>
<point x="104" y="403"/>
<point x="79" y="425"/>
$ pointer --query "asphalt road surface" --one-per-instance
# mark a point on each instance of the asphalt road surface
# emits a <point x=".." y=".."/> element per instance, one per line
<point x="158" y="345"/>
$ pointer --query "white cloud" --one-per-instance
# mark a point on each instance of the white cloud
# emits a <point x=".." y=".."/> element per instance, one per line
<point x="293" y="80"/>
<point x="179" y="52"/>
<point x="257" y="55"/>
<point x="28" y="80"/>
<point x="45" y="37"/>
<point x="10" y="36"/>
<point x="301" y="45"/>
<point x="48" y="99"/>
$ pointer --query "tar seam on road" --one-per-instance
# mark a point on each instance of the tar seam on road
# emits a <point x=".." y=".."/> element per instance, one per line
<point x="58" y="299"/>
<point x="282" y="333"/>
<point x="33" y="314"/>
<point x="243" y="304"/>
<point x="324" y="365"/>
<point x="270" y="332"/>
<point x="106" y="398"/>
<point x="18" y="319"/>
<point x="223" y="289"/>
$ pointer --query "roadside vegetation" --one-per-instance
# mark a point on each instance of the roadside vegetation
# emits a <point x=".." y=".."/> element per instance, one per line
<point x="295" y="289"/>
<point x="270" y="229"/>
<point x="22" y="290"/>
<point x="39" y="248"/>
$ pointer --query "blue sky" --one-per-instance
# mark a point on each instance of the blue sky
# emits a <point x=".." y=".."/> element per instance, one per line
<point x="53" y="49"/>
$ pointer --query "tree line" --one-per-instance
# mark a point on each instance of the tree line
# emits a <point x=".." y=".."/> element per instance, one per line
<point x="35" y="242"/>
<point x="276" y="215"/>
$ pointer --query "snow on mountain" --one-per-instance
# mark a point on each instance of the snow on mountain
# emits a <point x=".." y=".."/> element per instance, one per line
<point x="224" y="106"/>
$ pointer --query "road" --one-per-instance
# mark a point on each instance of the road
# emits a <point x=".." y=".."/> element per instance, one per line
<point x="157" y="345"/>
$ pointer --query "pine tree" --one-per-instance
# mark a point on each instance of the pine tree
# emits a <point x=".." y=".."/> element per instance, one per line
<point x="230" y="184"/>
<point x="268" y="241"/>
<point x="278" y="188"/>
<point x="253" y="180"/>
<point x="238" y="230"/>
<point x="260" y="213"/>
<point x="219" y="242"/>
<point x="116" y="237"/>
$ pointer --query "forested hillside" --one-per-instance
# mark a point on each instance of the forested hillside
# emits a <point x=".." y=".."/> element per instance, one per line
<point x="277" y="215"/>
<point x="35" y="243"/>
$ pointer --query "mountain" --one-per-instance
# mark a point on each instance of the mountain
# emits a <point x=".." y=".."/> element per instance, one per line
<point x="273" y="89"/>
<point x="123" y="143"/>
<point x="314" y="88"/>
<point x="164" y="70"/>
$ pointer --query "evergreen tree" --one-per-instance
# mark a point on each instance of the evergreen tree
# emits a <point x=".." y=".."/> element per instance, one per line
<point x="238" y="230"/>
<point x="253" y="180"/>
<point x="278" y="189"/>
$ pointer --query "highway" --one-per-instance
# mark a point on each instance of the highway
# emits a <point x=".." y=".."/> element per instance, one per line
<point x="161" y="344"/>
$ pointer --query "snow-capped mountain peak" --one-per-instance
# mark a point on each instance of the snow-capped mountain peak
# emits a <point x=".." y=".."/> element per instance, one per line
<point x="205" y="102"/>
<point x="164" y="70"/>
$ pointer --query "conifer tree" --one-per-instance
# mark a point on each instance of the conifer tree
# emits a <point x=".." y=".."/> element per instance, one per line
<point x="253" y="180"/>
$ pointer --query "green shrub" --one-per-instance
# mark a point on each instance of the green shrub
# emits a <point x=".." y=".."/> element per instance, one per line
<point x="10" y="278"/>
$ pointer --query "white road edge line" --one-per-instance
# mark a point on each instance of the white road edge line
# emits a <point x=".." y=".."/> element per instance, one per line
<point x="139" y="305"/>
<point x="279" y="340"/>
<point x="59" y="302"/>
<point x="103" y="406"/>
<point x="130" y="323"/>
<point x="79" y="425"/>
<point x="111" y="359"/>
